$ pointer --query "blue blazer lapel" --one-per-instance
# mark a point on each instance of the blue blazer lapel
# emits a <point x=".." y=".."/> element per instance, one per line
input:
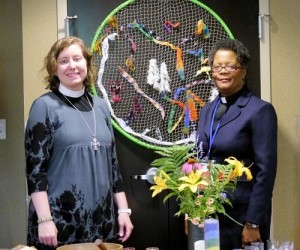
<point x="232" y="113"/>
<point x="235" y="109"/>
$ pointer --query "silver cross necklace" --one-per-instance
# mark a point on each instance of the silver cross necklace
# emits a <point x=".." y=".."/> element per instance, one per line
<point x="95" y="144"/>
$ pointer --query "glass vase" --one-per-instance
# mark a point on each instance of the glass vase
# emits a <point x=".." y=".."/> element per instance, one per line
<point x="195" y="234"/>
<point x="212" y="234"/>
<point x="206" y="238"/>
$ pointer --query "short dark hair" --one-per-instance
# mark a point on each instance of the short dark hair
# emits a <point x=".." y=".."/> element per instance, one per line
<point x="51" y="62"/>
<point x="236" y="46"/>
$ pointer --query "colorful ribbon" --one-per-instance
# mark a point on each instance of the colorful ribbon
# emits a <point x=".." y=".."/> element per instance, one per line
<point x="179" y="61"/>
<point x="137" y="88"/>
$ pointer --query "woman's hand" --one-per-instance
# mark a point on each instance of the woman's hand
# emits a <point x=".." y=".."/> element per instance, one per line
<point x="48" y="233"/>
<point x="125" y="226"/>
<point x="250" y="235"/>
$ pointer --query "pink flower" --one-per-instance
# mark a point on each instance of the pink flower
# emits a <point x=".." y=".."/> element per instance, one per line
<point x="190" y="165"/>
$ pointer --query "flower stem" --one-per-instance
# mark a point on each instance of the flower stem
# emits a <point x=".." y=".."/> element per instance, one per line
<point x="233" y="220"/>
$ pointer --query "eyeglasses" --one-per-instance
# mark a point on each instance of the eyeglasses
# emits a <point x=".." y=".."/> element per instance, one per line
<point x="229" y="68"/>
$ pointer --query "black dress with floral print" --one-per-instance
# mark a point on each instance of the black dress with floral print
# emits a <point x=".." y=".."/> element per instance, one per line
<point x="79" y="180"/>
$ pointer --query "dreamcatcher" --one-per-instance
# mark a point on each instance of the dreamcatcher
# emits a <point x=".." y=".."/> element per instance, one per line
<point x="151" y="57"/>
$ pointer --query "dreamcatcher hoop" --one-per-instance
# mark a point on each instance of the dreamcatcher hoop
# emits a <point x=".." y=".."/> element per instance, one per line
<point x="152" y="68"/>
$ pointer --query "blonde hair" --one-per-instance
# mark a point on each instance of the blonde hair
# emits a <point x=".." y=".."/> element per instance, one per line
<point x="51" y="62"/>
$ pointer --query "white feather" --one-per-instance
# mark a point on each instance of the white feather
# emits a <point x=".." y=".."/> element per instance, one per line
<point x="164" y="78"/>
<point x="213" y="94"/>
<point x="153" y="73"/>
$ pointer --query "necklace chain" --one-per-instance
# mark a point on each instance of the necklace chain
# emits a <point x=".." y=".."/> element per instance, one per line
<point x="94" y="143"/>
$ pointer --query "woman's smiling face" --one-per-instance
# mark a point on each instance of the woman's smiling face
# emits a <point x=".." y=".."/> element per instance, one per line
<point x="228" y="82"/>
<point x="72" y="67"/>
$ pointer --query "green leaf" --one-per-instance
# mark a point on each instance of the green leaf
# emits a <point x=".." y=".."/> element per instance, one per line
<point x="168" y="196"/>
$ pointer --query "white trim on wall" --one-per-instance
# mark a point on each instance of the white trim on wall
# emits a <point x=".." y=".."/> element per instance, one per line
<point x="62" y="12"/>
<point x="265" y="58"/>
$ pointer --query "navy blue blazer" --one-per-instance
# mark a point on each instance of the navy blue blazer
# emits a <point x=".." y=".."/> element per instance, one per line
<point x="248" y="132"/>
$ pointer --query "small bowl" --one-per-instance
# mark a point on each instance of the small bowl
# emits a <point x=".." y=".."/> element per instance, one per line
<point x="90" y="246"/>
<point x="113" y="246"/>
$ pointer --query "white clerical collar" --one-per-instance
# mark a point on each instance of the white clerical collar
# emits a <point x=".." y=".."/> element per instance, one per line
<point x="71" y="93"/>
<point x="223" y="99"/>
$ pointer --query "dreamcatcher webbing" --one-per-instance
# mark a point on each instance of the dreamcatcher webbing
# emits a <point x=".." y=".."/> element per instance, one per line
<point x="137" y="117"/>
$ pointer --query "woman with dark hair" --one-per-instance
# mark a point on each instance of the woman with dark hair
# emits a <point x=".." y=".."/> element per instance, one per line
<point x="239" y="124"/>
<point x="72" y="170"/>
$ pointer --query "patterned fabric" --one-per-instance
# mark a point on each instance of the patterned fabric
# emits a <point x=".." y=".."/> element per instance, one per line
<point x="80" y="181"/>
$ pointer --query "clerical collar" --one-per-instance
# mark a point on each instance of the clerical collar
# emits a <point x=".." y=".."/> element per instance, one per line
<point x="71" y="93"/>
<point x="223" y="100"/>
<point x="231" y="99"/>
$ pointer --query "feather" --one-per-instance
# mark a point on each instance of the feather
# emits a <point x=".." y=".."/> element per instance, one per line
<point x="130" y="64"/>
<point x="179" y="64"/>
<point x="164" y="78"/>
<point x="168" y="25"/>
<point x="213" y="94"/>
<point x="113" y="22"/>
<point x="196" y="53"/>
<point x="191" y="106"/>
<point x="185" y="40"/>
<point x="199" y="27"/>
<point x="204" y="69"/>
<point x="206" y="32"/>
<point x="133" y="46"/>
<point x="153" y="73"/>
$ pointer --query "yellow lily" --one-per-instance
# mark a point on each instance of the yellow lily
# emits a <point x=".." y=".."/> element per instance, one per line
<point x="192" y="181"/>
<point x="160" y="185"/>
<point x="239" y="168"/>
<point x="164" y="174"/>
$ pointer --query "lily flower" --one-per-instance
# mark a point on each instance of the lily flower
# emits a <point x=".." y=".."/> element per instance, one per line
<point x="164" y="174"/>
<point x="192" y="181"/>
<point x="239" y="168"/>
<point x="160" y="185"/>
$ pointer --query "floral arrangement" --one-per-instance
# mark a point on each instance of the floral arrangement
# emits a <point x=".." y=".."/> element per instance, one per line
<point x="202" y="189"/>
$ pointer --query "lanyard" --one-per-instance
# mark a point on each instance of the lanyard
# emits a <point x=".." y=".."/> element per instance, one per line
<point x="212" y="135"/>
